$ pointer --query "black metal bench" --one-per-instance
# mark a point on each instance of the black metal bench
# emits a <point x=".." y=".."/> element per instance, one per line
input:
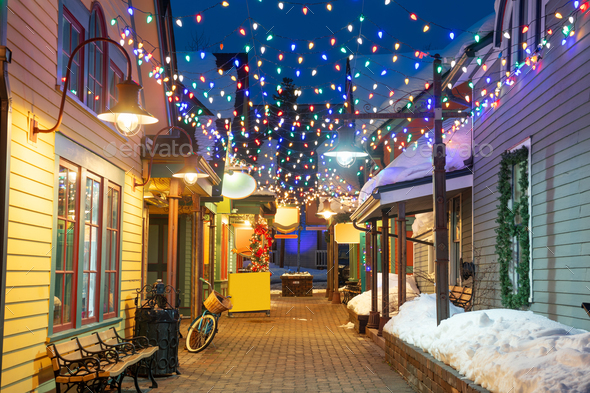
<point x="93" y="362"/>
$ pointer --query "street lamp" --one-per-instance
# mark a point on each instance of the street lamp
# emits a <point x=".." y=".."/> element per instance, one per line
<point x="190" y="172"/>
<point x="346" y="152"/>
<point x="127" y="114"/>
<point x="326" y="211"/>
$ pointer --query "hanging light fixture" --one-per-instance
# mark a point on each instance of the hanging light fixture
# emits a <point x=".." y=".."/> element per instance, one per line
<point x="127" y="114"/>
<point x="346" y="152"/>
<point x="326" y="211"/>
<point x="190" y="172"/>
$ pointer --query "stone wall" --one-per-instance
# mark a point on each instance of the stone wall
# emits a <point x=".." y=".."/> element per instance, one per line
<point x="423" y="372"/>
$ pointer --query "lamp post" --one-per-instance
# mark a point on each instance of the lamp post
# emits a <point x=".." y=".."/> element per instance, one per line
<point x="127" y="114"/>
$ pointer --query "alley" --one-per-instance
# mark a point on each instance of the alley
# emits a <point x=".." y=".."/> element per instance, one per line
<point x="300" y="348"/>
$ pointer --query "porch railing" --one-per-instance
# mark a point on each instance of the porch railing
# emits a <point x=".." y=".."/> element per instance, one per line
<point x="321" y="259"/>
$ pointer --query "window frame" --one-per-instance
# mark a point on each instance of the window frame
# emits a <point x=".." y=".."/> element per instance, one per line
<point x="115" y="92"/>
<point x="512" y="273"/>
<point x="74" y="271"/>
<point x="117" y="271"/>
<point x="98" y="248"/>
<point x="70" y="152"/>
<point x="104" y="49"/>
<point x="74" y="22"/>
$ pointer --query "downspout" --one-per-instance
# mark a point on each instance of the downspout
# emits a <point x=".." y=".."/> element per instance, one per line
<point x="5" y="138"/>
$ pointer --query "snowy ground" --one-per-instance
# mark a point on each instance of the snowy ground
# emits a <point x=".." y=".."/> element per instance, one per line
<point x="502" y="350"/>
<point x="361" y="304"/>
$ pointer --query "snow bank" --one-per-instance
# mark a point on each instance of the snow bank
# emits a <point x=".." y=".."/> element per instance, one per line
<point x="361" y="304"/>
<point x="502" y="350"/>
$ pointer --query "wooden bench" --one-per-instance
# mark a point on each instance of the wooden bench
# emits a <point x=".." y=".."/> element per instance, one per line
<point x="101" y="359"/>
<point x="460" y="296"/>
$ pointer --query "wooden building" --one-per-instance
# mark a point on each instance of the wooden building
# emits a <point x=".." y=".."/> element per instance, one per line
<point x="539" y="82"/>
<point x="75" y="216"/>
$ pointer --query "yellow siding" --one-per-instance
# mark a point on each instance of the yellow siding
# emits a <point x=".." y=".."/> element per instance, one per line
<point x="32" y="37"/>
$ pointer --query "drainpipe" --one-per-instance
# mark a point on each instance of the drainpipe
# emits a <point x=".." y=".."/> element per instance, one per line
<point x="5" y="137"/>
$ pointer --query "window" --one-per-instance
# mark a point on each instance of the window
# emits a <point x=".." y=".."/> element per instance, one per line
<point x="115" y="77"/>
<point x="92" y="229"/>
<point x="96" y="61"/>
<point x="111" y="277"/>
<point x="516" y="195"/>
<point x="86" y="217"/>
<point x="73" y="34"/>
<point x="66" y="246"/>
<point x="522" y="35"/>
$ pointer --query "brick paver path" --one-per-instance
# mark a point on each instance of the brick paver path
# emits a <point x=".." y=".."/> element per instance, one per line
<point x="299" y="348"/>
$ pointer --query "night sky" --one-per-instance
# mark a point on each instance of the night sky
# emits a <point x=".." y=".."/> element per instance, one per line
<point x="291" y="26"/>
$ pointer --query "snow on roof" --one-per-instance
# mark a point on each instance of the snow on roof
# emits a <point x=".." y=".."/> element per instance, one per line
<point x="416" y="160"/>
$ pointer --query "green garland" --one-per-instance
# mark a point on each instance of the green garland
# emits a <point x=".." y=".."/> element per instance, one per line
<point x="507" y="229"/>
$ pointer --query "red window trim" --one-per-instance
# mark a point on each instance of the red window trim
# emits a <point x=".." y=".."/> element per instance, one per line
<point x="74" y="300"/>
<point x="96" y="7"/>
<point x="100" y="180"/>
<point x="117" y="71"/>
<point x="117" y="270"/>
<point x="75" y="23"/>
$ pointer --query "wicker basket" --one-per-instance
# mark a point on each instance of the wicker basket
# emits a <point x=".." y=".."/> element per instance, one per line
<point x="217" y="304"/>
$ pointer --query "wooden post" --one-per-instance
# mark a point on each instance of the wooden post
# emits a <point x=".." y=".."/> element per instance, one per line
<point x="282" y="256"/>
<point x="197" y="268"/>
<point x="384" y="270"/>
<point x="172" y="257"/>
<point x="369" y="261"/>
<point x="328" y="265"/>
<point x="441" y="240"/>
<point x="331" y="267"/>
<point x="373" y="322"/>
<point x="335" y="291"/>
<point x="401" y="254"/>
<point x="212" y="241"/>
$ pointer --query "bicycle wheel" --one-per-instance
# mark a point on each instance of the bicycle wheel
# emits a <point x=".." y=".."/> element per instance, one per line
<point x="201" y="333"/>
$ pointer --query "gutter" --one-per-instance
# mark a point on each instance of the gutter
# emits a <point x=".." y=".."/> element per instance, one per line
<point x="5" y="139"/>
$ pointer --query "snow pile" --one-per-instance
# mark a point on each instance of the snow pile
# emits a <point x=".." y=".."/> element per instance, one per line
<point x="361" y="304"/>
<point x="277" y="272"/>
<point x="296" y="274"/>
<point x="502" y="350"/>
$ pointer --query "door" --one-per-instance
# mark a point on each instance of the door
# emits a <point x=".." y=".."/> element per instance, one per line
<point x="157" y="250"/>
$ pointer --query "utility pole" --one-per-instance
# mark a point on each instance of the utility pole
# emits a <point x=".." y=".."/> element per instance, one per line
<point x="441" y="240"/>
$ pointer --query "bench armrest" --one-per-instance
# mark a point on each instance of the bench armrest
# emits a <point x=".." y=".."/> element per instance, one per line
<point x="140" y="342"/>
<point x="79" y="367"/>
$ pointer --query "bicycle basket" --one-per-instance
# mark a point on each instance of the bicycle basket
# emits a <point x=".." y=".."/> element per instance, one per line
<point x="217" y="304"/>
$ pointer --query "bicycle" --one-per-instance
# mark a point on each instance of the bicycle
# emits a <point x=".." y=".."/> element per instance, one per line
<point x="203" y="328"/>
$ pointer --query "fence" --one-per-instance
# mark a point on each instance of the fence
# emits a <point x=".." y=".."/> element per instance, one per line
<point x="321" y="259"/>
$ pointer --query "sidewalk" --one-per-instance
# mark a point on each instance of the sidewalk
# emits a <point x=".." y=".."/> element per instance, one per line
<point x="300" y="348"/>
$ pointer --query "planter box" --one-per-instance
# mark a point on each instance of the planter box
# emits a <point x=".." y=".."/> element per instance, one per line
<point x="360" y="321"/>
<point x="297" y="286"/>
<point x="424" y="372"/>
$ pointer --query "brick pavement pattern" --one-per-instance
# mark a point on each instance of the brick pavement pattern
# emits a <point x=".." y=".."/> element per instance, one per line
<point x="299" y="348"/>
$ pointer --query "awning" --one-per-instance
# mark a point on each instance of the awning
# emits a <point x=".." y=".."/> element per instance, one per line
<point x="416" y="193"/>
